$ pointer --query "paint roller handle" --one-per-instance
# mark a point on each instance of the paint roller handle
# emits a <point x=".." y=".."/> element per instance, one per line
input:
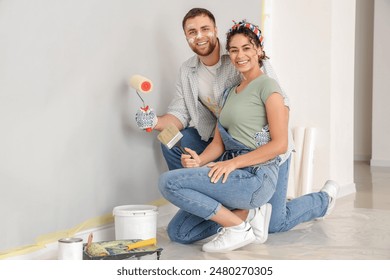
<point x="146" y="118"/>
<point x="142" y="243"/>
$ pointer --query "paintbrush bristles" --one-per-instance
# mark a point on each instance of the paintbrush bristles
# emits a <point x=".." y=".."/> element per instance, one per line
<point x="170" y="136"/>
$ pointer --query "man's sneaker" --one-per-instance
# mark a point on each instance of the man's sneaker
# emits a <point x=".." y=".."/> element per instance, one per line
<point x="259" y="219"/>
<point x="229" y="239"/>
<point x="332" y="189"/>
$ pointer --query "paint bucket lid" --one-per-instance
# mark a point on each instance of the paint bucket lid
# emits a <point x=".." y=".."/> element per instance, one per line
<point x="70" y="240"/>
<point x="135" y="210"/>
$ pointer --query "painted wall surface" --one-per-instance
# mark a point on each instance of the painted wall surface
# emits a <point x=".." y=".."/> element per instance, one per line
<point x="381" y="86"/>
<point x="313" y="54"/>
<point x="69" y="147"/>
<point x="342" y="41"/>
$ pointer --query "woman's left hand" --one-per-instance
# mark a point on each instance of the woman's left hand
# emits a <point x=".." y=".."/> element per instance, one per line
<point x="219" y="169"/>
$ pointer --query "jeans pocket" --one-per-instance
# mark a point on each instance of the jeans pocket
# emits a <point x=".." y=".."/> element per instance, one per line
<point x="266" y="189"/>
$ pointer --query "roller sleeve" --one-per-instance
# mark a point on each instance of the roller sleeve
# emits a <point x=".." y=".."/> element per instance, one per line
<point x="141" y="84"/>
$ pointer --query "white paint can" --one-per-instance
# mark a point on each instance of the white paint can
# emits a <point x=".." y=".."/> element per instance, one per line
<point x="70" y="248"/>
<point x="135" y="221"/>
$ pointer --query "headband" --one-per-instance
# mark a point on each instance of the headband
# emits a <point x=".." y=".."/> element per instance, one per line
<point x="254" y="28"/>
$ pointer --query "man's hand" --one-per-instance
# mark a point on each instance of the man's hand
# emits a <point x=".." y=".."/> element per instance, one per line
<point x="146" y="119"/>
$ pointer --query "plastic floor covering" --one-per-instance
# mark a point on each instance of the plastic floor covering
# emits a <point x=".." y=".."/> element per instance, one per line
<point x="357" y="229"/>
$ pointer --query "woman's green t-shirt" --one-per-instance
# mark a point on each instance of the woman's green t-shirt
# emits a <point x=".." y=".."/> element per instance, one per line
<point x="244" y="114"/>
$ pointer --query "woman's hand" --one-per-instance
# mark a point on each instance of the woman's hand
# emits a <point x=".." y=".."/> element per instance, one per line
<point x="219" y="169"/>
<point x="191" y="160"/>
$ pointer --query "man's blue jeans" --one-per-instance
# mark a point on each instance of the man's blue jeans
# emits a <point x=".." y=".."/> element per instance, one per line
<point x="192" y="140"/>
<point x="187" y="228"/>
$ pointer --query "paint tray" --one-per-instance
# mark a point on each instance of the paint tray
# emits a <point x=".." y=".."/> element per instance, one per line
<point x="118" y="250"/>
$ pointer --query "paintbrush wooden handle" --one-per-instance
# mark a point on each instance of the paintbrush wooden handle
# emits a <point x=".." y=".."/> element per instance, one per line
<point x="90" y="237"/>
<point x="142" y="243"/>
<point x="183" y="150"/>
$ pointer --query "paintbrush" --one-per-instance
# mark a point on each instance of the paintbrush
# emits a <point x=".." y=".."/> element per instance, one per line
<point x="171" y="137"/>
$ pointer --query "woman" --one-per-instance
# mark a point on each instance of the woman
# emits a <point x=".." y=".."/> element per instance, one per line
<point x="251" y="133"/>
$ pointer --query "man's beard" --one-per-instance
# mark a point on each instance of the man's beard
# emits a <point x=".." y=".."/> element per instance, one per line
<point x="208" y="51"/>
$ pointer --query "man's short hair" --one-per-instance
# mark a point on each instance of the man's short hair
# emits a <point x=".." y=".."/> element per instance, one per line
<point x="194" y="12"/>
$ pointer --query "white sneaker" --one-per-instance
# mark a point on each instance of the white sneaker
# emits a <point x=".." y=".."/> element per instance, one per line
<point x="332" y="189"/>
<point x="229" y="239"/>
<point x="260" y="222"/>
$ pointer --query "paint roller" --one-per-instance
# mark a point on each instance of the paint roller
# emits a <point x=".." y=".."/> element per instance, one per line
<point x="103" y="249"/>
<point x="96" y="249"/>
<point x="143" y="85"/>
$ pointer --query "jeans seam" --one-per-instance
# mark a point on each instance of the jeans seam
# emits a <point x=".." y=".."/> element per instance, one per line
<point x="173" y="192"/>
<point x="297" y="218"/>
<point x="265" y="180"/>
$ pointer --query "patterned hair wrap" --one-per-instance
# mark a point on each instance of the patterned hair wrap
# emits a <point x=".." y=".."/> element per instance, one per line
<point x="244" y="24"/>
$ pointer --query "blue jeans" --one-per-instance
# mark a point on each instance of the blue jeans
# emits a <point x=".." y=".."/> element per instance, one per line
<point x="288" y="214"/>
<point x="188" y="228"/>
<point x="191" y="190"/>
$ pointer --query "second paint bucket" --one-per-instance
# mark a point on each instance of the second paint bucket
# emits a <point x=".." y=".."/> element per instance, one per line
<point x="135" y="221"/>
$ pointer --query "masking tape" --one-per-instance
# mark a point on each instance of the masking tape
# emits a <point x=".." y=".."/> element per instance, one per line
<point x="45" y="239"/>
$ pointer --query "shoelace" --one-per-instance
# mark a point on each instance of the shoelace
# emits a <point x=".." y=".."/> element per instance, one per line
<point x="218" y="239"/>
<point x="220" y="232"/>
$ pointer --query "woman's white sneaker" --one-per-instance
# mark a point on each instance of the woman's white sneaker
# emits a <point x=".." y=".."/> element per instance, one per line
<point x="230" y="238"/>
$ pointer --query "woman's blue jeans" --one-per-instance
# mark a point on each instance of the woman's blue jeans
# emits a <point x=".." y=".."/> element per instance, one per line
<point x="188" y="228"/>
<point x="191" y="190"/>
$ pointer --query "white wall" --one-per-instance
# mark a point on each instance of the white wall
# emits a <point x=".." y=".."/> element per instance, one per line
<point x="69" y="146"/>
<point x="313" y="54"/>
<point x="342" y="91"/>
<point x="381" y="86"/>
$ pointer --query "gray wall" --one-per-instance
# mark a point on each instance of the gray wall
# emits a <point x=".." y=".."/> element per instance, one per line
<point x="363" y="79"/>
<point x="69" y="147"/>
<point x="381" y="86"/>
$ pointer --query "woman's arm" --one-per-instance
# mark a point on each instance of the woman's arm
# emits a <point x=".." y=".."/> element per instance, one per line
<point x="212" y="152"/>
